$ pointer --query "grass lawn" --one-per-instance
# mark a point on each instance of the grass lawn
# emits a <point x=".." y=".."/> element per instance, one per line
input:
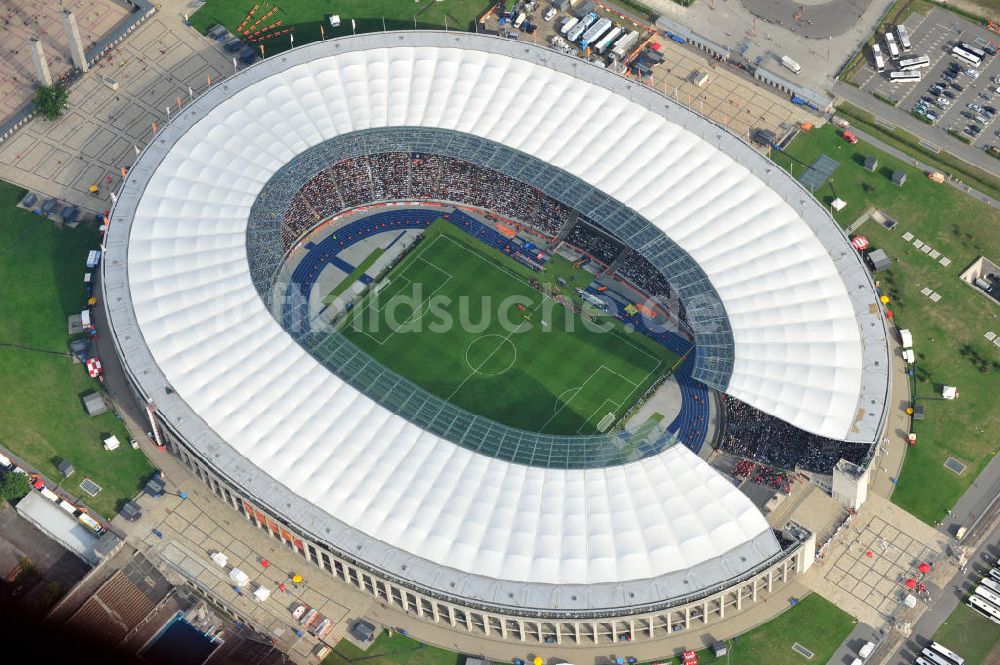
<point x="815" y="623"/>
<point x="393" y="649"/>
<point x="948" y="335"/>
<point x="41" y="413"/>
<point x="495" y="356"/>
<point x="307" y="15"/>
<point x="970" y="635"/>
<point x="353" y="277"/>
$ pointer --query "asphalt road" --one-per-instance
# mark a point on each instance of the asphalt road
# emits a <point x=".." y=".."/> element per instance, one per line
<point x="816" y="21"/>
<point x="928" y="133"/>
<point x="942" y="608"/>
<point x="910" y="159"/>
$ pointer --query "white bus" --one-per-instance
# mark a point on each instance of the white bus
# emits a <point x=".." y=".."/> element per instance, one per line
<point x="917" y="62"/>
<point x="904" y="38"/>
<point x="995" y="574"/>
<point x="990" y="584"/>
<point x="966" y="56"/>
<point x="974" y="50"/>
<point x="904" y="77"/>
<point x="987" y="594"/>
<point x="568" y="25"/>
<point x="890" y="41"/>
<point x="934" y="657"/>
<point x="948" y="653"/>
<point x="984" y="608"/>
<point x="879" y="61"/>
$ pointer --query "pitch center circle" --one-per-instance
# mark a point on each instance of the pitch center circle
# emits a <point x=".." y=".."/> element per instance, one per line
<point x="491" y="355"/>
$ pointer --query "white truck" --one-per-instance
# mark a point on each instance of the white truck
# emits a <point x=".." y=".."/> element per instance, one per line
<point x="788" y="63"/>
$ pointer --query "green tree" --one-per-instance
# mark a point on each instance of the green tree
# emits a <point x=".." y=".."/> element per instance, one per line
<point x="13" y="486"/>
<point x="51" y="100"/>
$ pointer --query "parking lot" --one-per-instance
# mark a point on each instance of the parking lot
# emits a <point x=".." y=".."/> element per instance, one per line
<point x="934" y="35"/>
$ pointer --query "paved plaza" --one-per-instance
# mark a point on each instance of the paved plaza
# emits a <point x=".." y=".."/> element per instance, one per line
<point x="20" y="20"/>
<point x="727" y="98"/>
<point x="163" y="61"/>
<point x="863" y="570"/>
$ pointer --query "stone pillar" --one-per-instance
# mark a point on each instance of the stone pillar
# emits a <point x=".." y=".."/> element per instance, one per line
<point x="451" y="615"/>
<point x="468" y="621"/>
<point x="770" y="580"/>
<point x="520" y="629"/>
<point x="739" y="599"/>
<point x="41" y="65"/>
<point x="434" y="612"/>
<point x="75" y="43"/>
<point x="503" y="627"/>
<point x="558" y="633"/>
<point x="704" y="612"/>
<point x="594" y="632"/>
<point x="687" y="618"/>
<point x="614" y="632"/>
<point x="755" y="589"/>
<point x="652" y="622"/>
<point x="576" y="632"/>
<point x="631" y="630"/>
<point x="486" y="624"/>
<point x="784" y="572"/>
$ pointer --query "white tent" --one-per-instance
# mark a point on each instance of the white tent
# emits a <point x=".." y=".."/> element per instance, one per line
<point x="220" y="559"/>
<point x="261" y="594"/>
<point x="111" y="443"/>
<point x="335" y="20"/>
<point x="949" y="392"/>
<point x="908" y="356"/>
<point x="906" y="337"/>
<point x="838" y="204"/>
<point x="238" y="576"/>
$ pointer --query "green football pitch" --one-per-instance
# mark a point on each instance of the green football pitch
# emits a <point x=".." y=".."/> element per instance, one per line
<point x="461" y="320"/>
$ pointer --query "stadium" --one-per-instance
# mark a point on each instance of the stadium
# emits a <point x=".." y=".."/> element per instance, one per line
<point x="494" y="478"/>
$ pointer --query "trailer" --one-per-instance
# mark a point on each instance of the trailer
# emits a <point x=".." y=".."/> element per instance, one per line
<point x="595" y="32"/>
<point x="624" y="45"/>
<point x="607" y="40"/>
<point x="568" y="25"/>
<point x="581" y="27"/>
<point x="790" y="64"/>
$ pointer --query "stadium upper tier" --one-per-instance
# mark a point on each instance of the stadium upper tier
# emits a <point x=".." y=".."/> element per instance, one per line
<point x="783" y="313"/>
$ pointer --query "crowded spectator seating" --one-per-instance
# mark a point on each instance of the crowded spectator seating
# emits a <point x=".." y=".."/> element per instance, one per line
<point x="402" y="176"/>
<point x="594" y="242"/>
<point x="644" y="276"/>
<point x="754" y="435"/>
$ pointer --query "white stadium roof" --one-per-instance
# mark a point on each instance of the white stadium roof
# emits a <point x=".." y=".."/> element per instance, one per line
<point x="186" y="314"/>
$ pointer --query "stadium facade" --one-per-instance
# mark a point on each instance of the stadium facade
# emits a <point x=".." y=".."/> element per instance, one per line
<point x="440" y="520"/>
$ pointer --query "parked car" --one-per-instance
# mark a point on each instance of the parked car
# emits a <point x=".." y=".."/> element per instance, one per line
<point x="974" y="106"/>
<point x="957" y="86"/>
<point x="949" y="94"/>
<point x="549" y="14"/>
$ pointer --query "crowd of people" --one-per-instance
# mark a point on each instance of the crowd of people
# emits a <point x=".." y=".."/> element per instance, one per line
<point x="393" y="176"/>
<point x="644" y="276"/>
<point x="596" y="243"/>
<point x="763" y="475"/>
<point x="755" y="435"/>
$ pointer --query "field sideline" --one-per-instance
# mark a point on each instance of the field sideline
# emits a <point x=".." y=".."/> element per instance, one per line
<point x="513" y="354"/>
